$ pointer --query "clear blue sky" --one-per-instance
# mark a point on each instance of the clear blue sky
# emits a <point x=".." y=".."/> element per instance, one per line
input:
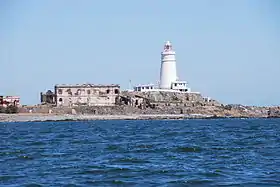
<point x="228" y="50"/>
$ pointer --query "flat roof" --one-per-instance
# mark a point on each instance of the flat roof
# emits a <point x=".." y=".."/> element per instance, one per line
<point x="85" y="85"/>
<point x="143" y="85"/>
<point x="178" y="81"/>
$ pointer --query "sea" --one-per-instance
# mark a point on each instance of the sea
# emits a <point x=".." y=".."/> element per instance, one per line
<point x="194" y="152"/>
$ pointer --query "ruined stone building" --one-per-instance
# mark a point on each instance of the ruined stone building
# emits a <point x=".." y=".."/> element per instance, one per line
<point x="48" y="98"/>
<point x="86" y="94"/>
<point x="81" y="94"/>
<point x="9" y="100"/>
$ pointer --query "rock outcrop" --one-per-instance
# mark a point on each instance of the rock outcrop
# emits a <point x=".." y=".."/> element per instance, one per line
<point x="161" y="103"/>
<point x="273" y="112"/>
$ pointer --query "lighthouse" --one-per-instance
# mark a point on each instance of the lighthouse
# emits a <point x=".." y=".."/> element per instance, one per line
<point x="169" y="81"/>
<point x="168" y="71"/>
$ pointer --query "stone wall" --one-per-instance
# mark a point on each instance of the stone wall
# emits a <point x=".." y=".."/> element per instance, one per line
<point x="130" y="110"/>
<point x="35" y="109"/>
<point x="126" y="110"/>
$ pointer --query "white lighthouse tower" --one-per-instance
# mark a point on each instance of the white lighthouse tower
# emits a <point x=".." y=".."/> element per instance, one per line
<point x="169" y="81"/>
<point x="168" y="71"/>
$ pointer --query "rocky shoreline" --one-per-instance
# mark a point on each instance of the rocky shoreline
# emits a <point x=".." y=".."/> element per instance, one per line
<point x="87" y="117"/>
<point x="133" y="113"/>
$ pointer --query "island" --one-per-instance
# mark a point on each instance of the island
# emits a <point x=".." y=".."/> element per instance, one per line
<point x="172" y="98"/>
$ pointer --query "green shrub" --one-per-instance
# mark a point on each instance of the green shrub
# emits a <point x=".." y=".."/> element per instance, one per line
<point x="11" y="109"/>
<point x="2" y="109"/>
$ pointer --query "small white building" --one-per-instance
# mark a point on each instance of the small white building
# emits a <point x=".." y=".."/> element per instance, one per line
<point x="144" y="88"/>
<point x="180" y="86"/>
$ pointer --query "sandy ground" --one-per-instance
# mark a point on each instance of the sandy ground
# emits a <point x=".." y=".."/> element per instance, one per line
<point x="52" y="117"/>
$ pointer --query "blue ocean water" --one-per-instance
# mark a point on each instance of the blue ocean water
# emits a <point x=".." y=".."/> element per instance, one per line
<point x="218" y="152"/>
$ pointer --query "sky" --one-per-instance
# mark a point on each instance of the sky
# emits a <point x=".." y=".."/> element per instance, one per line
<point x="227" y="50"/>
